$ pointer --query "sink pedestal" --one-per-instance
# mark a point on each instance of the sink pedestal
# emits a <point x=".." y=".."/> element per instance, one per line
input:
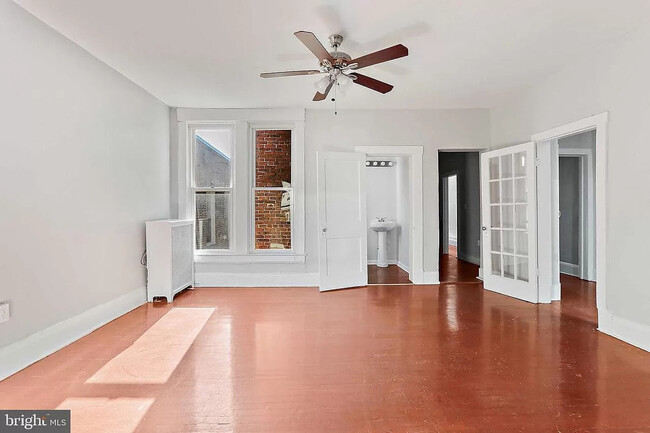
<point x="382" y="250"/>
<point x="382" y="226"/>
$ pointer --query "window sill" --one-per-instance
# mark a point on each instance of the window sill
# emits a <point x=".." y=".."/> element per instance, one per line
<point x="207" y="257"/>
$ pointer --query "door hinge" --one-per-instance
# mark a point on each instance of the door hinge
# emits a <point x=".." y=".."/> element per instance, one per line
<point x="538" y="272"/>
<point x="538" y="162"/>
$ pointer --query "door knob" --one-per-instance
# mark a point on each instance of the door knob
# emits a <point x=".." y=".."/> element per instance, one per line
<point x="484" y="228"/>
<point x="324" y="229"/>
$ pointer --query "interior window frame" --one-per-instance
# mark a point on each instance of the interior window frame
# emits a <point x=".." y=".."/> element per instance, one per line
<point x="254" y="128"/>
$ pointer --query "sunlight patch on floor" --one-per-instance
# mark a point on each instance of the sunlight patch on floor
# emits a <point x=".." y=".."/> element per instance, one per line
<point x="154" y="356"/>
<point x="110" y="415"/>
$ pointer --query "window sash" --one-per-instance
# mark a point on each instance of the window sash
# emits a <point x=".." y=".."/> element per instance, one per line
<point x="254" y="188"/>
<point x="192" y="130"/>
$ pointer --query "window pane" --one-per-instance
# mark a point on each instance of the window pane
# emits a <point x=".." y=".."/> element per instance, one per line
<point x="212" y="154"/>
<point x="521" y="219"/>
<point x="520" y="164"/>
<point x="507" y="196"/>
<point x="506" y="166"/>
<point x="495" y="216"/>
<point x="507" y="218"/>
<point x="522" y="243"/>
<point x="509" y="267"/>
<point x="273" y="158"/>
<point x="522" y="268"/>
<point x="495" y="243"/>
<point x="272" y="220"/>
<point x="508" y="241"/>
<point x="494" y="192"/>
<point x="494" y="168"/>
<point x="496" y="264"/>
<point x="212" y="211"/>
<point x="520" y="191"/>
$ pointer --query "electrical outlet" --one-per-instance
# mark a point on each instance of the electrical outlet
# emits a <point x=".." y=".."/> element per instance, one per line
<point x="4" y="312"/>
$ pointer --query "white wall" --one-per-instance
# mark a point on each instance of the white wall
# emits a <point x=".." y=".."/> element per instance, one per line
<point x="432" y="129"/>
<point x="85" y="162"/>
<point x="381" y="202"/>
<point x="403" y="211"/>
<point x="613" y="79"/>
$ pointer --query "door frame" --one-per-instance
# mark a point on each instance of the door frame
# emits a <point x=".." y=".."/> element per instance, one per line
<point x="598" y="123"/>
<point x="416" y="237"/>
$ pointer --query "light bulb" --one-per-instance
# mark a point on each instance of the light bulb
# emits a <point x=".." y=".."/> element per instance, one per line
<point x="343" y="80"/>
<point x="321" y="85"/>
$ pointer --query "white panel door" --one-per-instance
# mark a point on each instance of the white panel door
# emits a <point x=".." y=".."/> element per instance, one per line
<point x="342" y="220"/>
<point x="509" y="211"/>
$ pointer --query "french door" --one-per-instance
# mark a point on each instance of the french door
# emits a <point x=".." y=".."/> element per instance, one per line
<point x="509" y="215"/>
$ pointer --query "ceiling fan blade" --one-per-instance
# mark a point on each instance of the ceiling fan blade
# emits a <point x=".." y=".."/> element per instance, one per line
<point x="289" y="73"/>
<point x="321" y="96"/>
<point x="373" y="84"/>
<point x="314" y="45"/>
<point x="392" y="53"/>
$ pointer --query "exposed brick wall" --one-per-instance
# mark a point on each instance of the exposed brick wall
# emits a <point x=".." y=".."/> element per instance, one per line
<point x="273" y="165"/>
<point x="272" y="224"/>
<point x="272" y="158"/>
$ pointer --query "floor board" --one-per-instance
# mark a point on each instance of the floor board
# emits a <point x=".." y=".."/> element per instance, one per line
<point x="392" y="274"/>
<point x="444" y="358"/>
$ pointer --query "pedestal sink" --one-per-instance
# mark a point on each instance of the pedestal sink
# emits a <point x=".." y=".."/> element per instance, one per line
<point x="382" y="226"/>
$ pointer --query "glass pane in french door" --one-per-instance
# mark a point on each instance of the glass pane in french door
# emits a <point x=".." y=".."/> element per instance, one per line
<point x="508" y="196"/>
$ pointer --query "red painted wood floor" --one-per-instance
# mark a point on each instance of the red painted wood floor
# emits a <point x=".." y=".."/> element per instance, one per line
<point x="448" y="358"/>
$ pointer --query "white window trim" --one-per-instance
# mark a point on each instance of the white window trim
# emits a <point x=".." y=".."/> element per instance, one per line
<point x="243" y="119"/>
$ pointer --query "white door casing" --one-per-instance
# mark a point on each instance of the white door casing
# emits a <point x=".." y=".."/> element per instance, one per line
<point x="509" y="215"/>
<point x="342" y="220"/>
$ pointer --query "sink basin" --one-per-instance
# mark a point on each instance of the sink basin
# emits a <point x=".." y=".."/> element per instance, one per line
<point x="382" y="226"/>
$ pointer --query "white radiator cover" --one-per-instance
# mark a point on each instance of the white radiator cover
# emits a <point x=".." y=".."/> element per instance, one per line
<point x="170" y="257"/>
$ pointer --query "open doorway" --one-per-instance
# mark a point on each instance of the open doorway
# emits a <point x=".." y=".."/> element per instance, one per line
<point x="572" y="154"/>
<point x="388" y="209"/>
<point x="460" y="216"/>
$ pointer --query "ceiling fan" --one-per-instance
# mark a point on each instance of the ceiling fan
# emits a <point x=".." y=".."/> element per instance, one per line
<point x="339" y="67"/>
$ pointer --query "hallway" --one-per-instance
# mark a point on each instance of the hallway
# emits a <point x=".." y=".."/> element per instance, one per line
<point x="454" y="270"/>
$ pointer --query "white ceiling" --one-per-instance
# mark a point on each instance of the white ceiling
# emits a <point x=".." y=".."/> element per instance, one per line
<point x="463" y="53"/>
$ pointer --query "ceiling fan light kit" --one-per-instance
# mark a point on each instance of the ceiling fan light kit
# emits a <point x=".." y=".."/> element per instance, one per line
<point x="340" y="68"/>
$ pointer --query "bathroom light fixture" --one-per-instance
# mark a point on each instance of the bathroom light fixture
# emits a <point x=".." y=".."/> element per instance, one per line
<point x="380" y="164"/>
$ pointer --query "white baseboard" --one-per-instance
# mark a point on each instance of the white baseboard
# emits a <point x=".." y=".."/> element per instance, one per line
<point x="403" y="267"/>
<point x="241" y="279"/>
<point x="390" y="262"/>
<point x="37" y="346"/>
<point x="570" y="269"/>
<point x="556" y="292"/>
<point x="470" y="259"/>
<point x="633" y="333"/>
<point x="425" y="277"/>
